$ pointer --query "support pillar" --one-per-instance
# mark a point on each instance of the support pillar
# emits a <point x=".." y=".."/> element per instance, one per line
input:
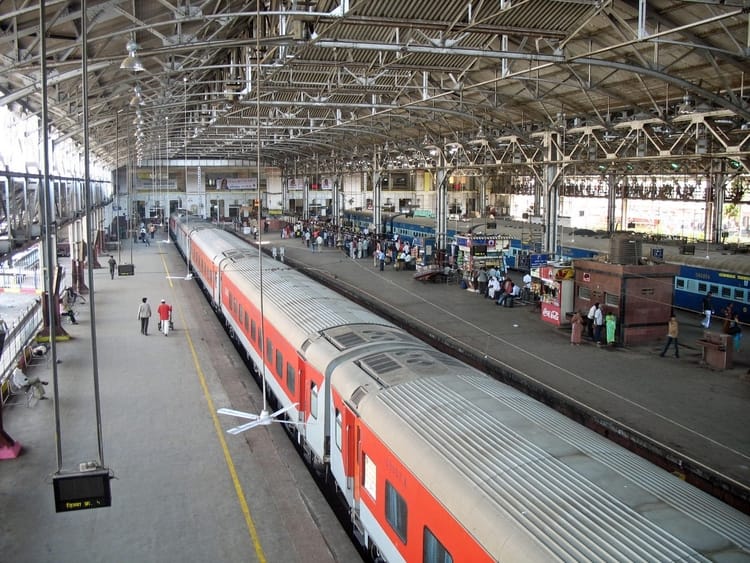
<point x="441" y="210"/>
<point x="83" y="289"/>
<point x="44" y="334"/>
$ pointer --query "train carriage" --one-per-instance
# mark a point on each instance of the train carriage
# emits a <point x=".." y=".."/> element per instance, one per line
<point x="727" y="277"/>
<point x="438" y="462"/>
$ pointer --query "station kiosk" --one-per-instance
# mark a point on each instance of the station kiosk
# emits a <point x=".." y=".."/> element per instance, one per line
<point x="557" y="284"/>
<point x="476" y="251"/>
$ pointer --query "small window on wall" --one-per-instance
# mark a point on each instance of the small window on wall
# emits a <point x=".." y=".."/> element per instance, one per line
<point x="338" y="429"/>
<point x="432" y="550"/>
<point x="612" y="300"/>
<point x="369" y="476"/>
<point x="314" y="401"/>
<point x="395" y="511"/>
<point x="584" y="293"/>
<point x="290" y="379"/>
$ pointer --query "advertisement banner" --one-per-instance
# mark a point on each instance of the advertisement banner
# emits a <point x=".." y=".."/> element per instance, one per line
<point x="237" y="183"/>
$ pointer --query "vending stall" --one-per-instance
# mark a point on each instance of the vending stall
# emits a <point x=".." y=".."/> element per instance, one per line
<point x="476" y="251"/>
<point x="557" y="293"/>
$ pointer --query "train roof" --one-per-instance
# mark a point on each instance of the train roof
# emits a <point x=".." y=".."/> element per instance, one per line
<point x="311" y="306"/>
<point x="734" y="263"/>
<point x="525" y="479"/>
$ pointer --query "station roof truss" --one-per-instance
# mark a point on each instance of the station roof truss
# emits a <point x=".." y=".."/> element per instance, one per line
<point x="335" y="85"/>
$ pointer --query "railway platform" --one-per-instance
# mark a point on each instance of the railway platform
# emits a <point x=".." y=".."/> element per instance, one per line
<point x="183" y="489"/>
<point x="681" y="414"/>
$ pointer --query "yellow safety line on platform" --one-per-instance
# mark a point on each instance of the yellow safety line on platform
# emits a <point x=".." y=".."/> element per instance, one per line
<point x="220" y="434"/>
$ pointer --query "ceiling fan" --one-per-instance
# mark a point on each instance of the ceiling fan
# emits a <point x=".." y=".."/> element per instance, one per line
<point x="262" y="419"/>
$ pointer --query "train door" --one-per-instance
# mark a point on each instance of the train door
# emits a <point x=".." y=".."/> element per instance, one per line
<point x="302" y="392"/>
<point x="349" y="449"/>
<point x="356" y="465"/>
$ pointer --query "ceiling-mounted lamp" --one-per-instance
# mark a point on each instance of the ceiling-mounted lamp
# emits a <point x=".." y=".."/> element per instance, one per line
<point x="132" y="61"/>
<point x="137" y="99"/>
<point x="686" y="106"/>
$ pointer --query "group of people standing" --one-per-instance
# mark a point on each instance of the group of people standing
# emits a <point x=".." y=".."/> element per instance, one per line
<point x="600" y="327"/>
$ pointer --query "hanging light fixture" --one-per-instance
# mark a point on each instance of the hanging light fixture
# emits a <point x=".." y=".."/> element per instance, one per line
<point x="137" y="99"/>
<point x="132" y="61"/>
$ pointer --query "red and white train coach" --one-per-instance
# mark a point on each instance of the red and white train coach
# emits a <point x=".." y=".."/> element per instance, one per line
<point x="438" y="462"/>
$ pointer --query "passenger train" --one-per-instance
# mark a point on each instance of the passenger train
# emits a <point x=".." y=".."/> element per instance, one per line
<point x="436" y="461"/>
<point x="727" y="276"/>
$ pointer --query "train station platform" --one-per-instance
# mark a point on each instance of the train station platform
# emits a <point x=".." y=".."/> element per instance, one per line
<point x="688" y="418"/>
<point x="183" y="489"/>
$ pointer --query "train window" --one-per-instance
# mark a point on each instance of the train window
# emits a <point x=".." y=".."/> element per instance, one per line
<point x="313" y="400"/>
<point x="739" y="294"/>
<point x="396" y="512"/>
<point x="715" y="289"/>
<point x="269" y="349"/>
<point x="247" y="321"/>
<point x="338" y="429"/>
<point x="369" y="475"/>
<point x="432" y="550"/>
<point x="253" y="329"/>
<point x="279" y="363"/>
<point x="679" y="283"/>
<point x="726" y="292"/>
<point x="702" y="287"/>
<point x="290" y="380"/>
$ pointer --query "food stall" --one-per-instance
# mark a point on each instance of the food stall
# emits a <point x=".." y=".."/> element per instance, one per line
<point x="476" y="251"/>
<point x="556" y="284"/>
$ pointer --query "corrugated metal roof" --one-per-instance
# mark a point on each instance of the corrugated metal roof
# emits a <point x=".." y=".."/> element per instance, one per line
<point x="381" y="70"/>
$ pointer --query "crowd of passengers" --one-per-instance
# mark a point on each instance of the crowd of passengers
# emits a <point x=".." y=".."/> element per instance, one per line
<point x="356" y="245"/>
<point x="497" y="285"/>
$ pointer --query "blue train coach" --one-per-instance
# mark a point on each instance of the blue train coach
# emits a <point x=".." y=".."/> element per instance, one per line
<point x="727" y="277"/>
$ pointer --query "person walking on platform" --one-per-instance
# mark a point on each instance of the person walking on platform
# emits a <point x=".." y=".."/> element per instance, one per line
<point x="576" y="329"/>
<point x="707" y="310"/>
<point x="165" y="316"/>
<point x="112" y="265"/>
<point x="144" y="314"/>
<point x="673" y="331"/>
<point x="735" y="330"/>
